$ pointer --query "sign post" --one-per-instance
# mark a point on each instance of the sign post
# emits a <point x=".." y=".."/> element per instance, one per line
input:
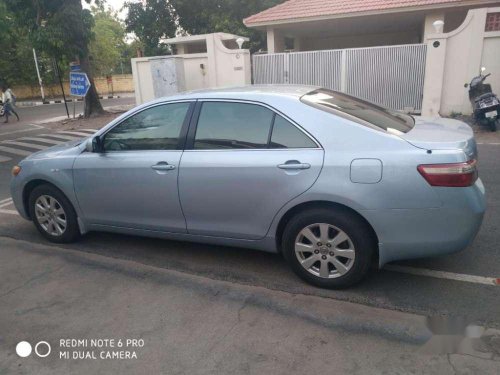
<point x="79" y="85"/>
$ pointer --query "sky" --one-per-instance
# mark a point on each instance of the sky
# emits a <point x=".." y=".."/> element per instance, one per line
<point x="114" y="4"/>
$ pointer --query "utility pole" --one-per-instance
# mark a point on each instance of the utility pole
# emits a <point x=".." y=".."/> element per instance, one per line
<point x="58" y="72"/>
<point x="38" y="73"/>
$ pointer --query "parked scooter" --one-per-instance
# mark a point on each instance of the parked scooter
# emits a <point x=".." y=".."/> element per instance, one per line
<point x="485" y="103"/>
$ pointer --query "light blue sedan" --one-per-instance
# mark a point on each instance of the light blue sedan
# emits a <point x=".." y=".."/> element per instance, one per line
<point x="330" y="181"/>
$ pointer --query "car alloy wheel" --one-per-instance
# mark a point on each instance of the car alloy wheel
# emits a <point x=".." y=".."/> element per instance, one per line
<point x="50" y="215"/>
<point x="324" y="250"/>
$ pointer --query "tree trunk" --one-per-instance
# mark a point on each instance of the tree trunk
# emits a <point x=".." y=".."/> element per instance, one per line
<point x="93" y="105"/>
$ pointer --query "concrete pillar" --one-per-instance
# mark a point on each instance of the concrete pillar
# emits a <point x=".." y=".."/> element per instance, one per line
<point x="275" y="41"/>
<point x="434" y="75"/>
<point x="429" y="20"/>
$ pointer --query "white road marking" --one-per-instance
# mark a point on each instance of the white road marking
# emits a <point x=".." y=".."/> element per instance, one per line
<point x="88" y="130"/>
<point x="4" y="159"/>
<point x="10" y="212"/>
<point x="7" y="203"/>
<point x="443" y="275"/>
<point x="15" y="151"/>
<point x="76" y="134"/>
<point x="28" y="145"/>
<point x="36" y="127"/>
<point x="5" y="200"/>
<point x="60" y="136"/>
<point x="41" y="140"/>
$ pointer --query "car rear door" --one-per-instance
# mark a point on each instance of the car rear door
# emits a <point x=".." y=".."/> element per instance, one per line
<point x="243" y="162"/>
<point x="132" y="183"/>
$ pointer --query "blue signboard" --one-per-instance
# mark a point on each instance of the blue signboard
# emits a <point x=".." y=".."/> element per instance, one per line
<point x="79" y="84"/>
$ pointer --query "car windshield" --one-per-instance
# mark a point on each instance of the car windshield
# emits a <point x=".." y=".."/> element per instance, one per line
<point x="383" y="118"/>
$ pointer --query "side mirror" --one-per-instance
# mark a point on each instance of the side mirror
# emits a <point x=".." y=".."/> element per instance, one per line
<point x="94" y="145"/>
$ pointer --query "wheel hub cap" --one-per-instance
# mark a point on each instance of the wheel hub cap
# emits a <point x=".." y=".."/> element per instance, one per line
<point x="50" y="215"/>
<point x="325" y="250"/>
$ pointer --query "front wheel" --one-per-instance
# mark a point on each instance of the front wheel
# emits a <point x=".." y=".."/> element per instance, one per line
<point x="53" y="215"/>
<point x="329" y="248"/>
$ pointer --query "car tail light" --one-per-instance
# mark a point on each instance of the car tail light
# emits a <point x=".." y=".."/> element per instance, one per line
<point x="451" y="175"/>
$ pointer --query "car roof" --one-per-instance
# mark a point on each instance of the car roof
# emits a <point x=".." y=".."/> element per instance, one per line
<point x="250" y="92"/>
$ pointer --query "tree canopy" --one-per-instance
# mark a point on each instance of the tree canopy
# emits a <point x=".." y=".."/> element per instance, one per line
<point x="109" y="53"/>
<point x="61" y="29"/>
<point x="156" y="19"/>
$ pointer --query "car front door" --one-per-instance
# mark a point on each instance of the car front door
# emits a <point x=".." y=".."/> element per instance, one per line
<point x="132" y="181"/>
<point x="242" y="163"/>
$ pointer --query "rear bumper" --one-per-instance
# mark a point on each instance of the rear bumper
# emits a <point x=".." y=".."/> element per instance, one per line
<point x="418" y="233"/>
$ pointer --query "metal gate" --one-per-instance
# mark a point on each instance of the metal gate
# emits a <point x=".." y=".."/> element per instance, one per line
<point x="392" y="76"/>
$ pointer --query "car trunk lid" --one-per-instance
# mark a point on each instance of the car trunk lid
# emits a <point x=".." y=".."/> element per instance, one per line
<point x="441" y="134"/>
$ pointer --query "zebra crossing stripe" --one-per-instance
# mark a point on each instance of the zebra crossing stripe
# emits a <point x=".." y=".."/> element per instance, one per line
<point x="41" y="140"/>
<point x="5" y="200"/>
<point x="88" y="130"/>
<point x="60" y="136"/>
<point x="75" y="134"/>
<point x="15" y="151"/>
<point x="4" y="159"/>
<point x="27" y="145"/>
<point x="7" y="203"/>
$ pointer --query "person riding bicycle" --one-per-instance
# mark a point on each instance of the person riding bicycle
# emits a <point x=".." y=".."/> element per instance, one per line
<point x="8" y="103"/>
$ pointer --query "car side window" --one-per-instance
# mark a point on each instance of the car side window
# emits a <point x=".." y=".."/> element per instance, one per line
<point x="155" y="128"/>
<point x="287" y="135"/>
<point x="228" y="125"/>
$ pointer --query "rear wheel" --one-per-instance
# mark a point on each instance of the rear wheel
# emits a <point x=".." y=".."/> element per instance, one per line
<point x="328" y="248"/>
<point x="53" y="214"/>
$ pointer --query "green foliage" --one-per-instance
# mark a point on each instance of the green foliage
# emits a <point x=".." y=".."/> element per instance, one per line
<point x="150" y="23"/>
<point x="165" y="18"/>
<point x="455" y="114"/>
<point x="107" y="47"/>
<point x="57" y="27"/>
<point x="209" y="16"/>
<point x="16" y="55"/>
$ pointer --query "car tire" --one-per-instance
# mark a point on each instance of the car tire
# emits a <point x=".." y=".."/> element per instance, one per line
<point x="53" y="214"/>
<point x="347" y="262"/>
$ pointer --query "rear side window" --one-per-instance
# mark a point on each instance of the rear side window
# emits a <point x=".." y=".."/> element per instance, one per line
<point x="383" y="118"/>
<point x="226" y="125"/>
<point x="287" y="135"/>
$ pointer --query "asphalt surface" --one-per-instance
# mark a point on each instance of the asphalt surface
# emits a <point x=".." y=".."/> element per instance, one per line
<point x="29" y="115"/>
<point x="384" y="289"/>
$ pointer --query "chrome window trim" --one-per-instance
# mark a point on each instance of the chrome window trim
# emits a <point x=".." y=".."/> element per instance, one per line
<point x="275" y="111"/>
<point x="136" y="112"/>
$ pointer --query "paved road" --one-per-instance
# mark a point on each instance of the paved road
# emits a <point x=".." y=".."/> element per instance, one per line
<point x="391" y="291"/>
<point x="34" y="114"/>
<point x="387" y="289"/>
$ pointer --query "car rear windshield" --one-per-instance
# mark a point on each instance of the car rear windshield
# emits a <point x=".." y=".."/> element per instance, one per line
<point x="338" y="103"/>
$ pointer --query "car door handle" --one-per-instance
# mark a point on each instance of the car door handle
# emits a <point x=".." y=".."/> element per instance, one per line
<point x="291" y="165"/>
<point x="163" y="167"/>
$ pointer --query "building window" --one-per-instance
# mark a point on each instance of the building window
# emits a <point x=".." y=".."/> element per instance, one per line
<point x="492" y="22"/>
